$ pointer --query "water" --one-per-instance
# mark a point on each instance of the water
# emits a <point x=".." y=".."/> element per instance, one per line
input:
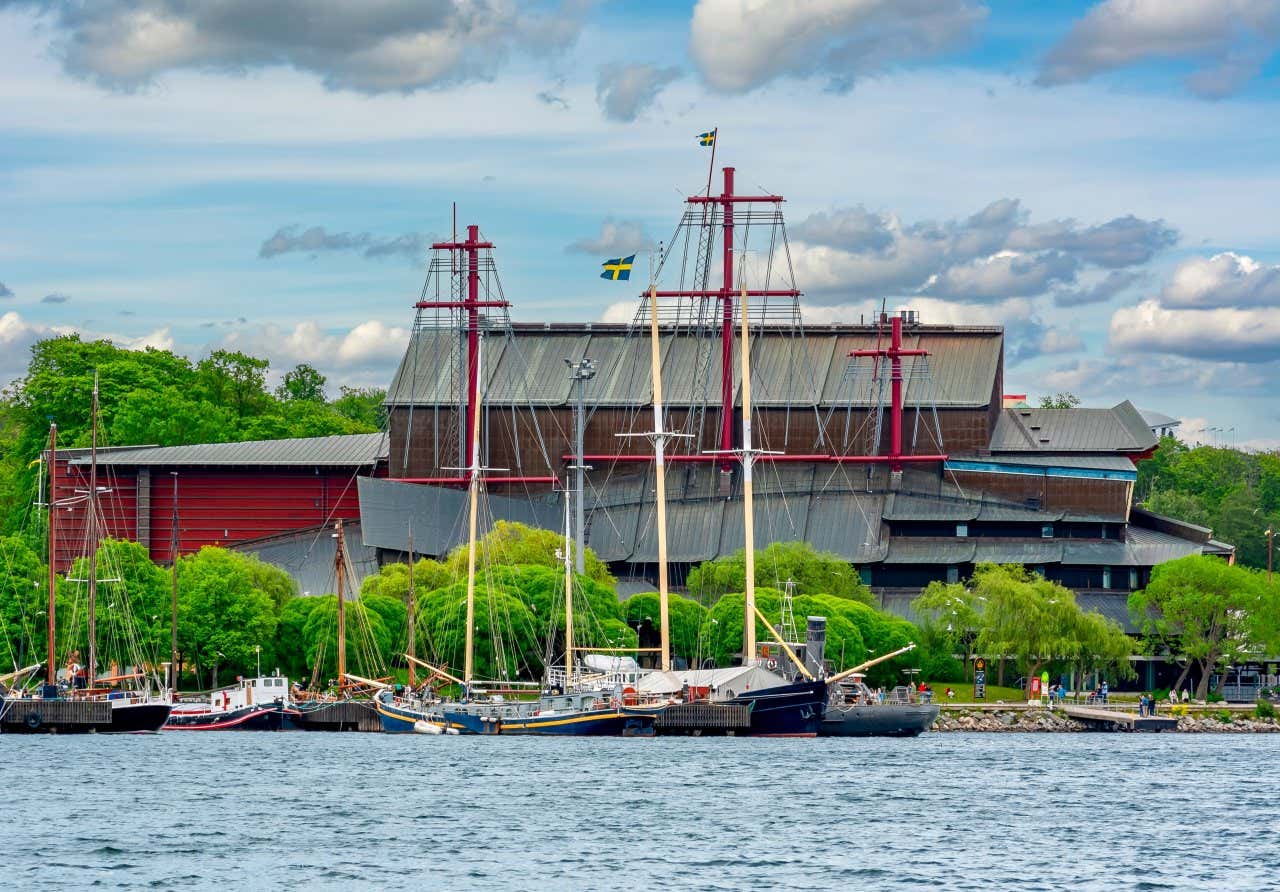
<point x="333" y="811"/>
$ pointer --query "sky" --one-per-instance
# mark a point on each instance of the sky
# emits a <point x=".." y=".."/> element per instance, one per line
<point x="1100" y="178"/>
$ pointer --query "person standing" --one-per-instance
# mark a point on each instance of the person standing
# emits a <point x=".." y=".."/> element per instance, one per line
<point x="1104" y="692"/>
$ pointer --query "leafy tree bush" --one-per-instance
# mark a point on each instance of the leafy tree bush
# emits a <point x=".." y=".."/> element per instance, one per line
<point x="812" y="571"/>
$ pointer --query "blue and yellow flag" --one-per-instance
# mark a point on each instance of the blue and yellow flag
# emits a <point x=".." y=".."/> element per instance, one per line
<point x="707" y="139"/>
<point x="618" y="269"/>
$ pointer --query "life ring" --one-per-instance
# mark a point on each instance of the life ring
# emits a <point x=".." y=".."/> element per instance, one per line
<point x="772" y="664"/>
<point x="33" y="720"/>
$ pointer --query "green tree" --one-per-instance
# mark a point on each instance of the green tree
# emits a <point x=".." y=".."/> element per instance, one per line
<point x="952" y="614"/>
<point x="222" y="615"/>
<point x="302" y="383"/>
<point x="235" y="380"/>
<point x="813" y="572"/>
<point x="685" y="617"/>
<point x="1037" y="622"/>
<point x="511" y="543"/>
<point x="369" y="640"/>
<point x="363" y="406"/>
<point x="1065" y="400"/>
<point x="291" y="641"/>
<point x="1208" y="612"/>
<point x="23" y="605"/>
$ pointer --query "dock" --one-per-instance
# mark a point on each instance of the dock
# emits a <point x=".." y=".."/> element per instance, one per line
<point x="696" y="719"/>
<point x="1101" y="719"/>
<point x="19" y="715"/>
<point x="340" y="715"/>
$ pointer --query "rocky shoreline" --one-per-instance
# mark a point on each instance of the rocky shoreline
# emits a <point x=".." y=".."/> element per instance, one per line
<point x="1047" y="720"/>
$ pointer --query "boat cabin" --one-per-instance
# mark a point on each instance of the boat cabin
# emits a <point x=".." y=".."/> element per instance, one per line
<point x="249" y="691"/>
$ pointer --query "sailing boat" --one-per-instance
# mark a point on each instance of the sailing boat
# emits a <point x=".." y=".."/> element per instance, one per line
<point x="84" y="702"/>
<point x="569" y="703"/>
<point x="778" y="706"/>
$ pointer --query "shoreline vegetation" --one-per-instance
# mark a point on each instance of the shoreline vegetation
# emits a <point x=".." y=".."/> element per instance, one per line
<point x="1213" y="719"/>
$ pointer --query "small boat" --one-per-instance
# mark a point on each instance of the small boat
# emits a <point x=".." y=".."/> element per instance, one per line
<point x="854" y="710"/>
<point x="255" y="704"/>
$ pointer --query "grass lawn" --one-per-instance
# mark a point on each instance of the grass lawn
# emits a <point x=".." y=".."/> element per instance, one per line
<point x="964" y="693"/>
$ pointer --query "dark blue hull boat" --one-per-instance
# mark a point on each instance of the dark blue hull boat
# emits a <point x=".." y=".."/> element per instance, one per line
<point x="792" y="710"/>
<point x="607" y="722"/>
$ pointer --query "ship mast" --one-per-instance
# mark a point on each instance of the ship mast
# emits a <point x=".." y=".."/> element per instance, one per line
<point x="340" y="570"/>
<point x="748" y="496"/>
<point x="568" y="594"/>
<point x="474" y="492"/>
<point x="411" y="652"/>
<point x="92" y="531"/>
<point x="51" y="670"/>
<point x="173" y="626"/>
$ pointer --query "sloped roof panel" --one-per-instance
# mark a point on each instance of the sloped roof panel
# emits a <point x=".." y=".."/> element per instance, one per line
<point x="1029" y="429"/>
<point x="930" y="551"/>
<point x="345" y="450"/>
<point x="532" y="370"/>
<point x="848" y="525"/>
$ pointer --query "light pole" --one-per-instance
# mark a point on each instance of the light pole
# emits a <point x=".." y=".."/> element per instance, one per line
<point x="1271" y="540"/>
<point x="257" y="649"/>
<point x="580" y="373"/>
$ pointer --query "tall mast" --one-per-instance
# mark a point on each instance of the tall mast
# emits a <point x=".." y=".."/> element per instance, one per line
<point x="51" y="670"/>
<point x="660" y="466"/>
<point x="173" y="624"/>
<point x="568" y="594"/>
<point x="341" y="571"/>
<point x="410" y="621"/>
<point x="748" y="502"/>
<point x="474" y="489"/>
<point x="93" y="535"/>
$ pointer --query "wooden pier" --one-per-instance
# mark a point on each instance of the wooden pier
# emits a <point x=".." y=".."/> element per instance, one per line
<point x="53" y="716"/>
<point x="1115" y="720"/>
<point x="341" y="715"/>
<point x="694" y="719"/>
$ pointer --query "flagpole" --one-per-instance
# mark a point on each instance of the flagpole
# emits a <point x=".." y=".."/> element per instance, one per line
<point x="711" y="170"/>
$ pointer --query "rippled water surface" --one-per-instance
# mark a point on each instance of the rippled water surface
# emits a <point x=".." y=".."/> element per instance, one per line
<point x="960" y="811"/>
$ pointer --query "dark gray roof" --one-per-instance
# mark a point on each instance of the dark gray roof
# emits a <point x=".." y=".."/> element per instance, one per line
<point x="527" y="367"/>
<point x="345" y="450"/>
<point x="1118" y="429"/>
<point x="1112" y="605"/>
<point x="309" y="556"/>
<point x="437" y="515"/>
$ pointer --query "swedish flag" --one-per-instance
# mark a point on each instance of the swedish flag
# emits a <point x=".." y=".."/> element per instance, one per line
<point x="707" y="139"/>
<point x="618" y="269"/>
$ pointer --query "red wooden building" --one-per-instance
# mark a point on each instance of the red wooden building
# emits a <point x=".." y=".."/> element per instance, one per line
<point x="227" y="493"/>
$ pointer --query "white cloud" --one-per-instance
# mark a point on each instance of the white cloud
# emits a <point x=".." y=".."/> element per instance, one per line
<point x="1223" y="333"/>
<point x="742" y="44"/>
<point x="370" y="47"/>
<point x="1228" y="39"/>
<point x="1055" y="340"/>
<point x="617" y="237"/>
<point x="371" y="344"/>
<point x="623" y="311"/>
<point x="17" y="335"/>
<point x="624" y="91"/>
<point x="1224" y="280"/>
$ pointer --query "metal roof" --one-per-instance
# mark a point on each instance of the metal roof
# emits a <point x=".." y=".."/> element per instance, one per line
<point x="1028" y="429"/>
<point x="309" y="556"/>
<point x="789" y="369"/>
<point x="930" y="551"/>
<point x="1114" y="606"/>
<point x="344" y="450"/>
<point x="1064" y="460"/>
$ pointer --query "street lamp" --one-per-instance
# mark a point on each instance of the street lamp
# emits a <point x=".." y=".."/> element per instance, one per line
<point x="580" y="372"/>
<point x="257" y="649"/>
<point x="1271" y="541"/>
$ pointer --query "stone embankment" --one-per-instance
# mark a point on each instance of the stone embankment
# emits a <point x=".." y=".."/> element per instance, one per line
<point x="1047" y="720"/>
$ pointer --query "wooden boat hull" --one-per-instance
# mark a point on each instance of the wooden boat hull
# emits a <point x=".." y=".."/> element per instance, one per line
<point x="341" y="715"/>
<point x="21" y="716"/>
<point x="878" y="720"/>
<point x="594" y="723"/>
<point x="792" y="710"/>
<point x="270" y="717"/>
<point x="399" y="718"/>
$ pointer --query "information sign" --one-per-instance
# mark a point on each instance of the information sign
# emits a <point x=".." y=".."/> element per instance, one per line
<point x="980" y="679"/>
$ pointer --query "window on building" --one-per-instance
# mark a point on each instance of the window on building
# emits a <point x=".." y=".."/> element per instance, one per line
<point x="1046" y="531"/>
<point x="962" y="530"/>
<point x="1133" y="578"/>
<point x="1039" y="569"/>
<point x="1106" y="577"/>
<point x="1103" y="531"/>
<point x="864" y="573"/>
<point x="953" y="574"/>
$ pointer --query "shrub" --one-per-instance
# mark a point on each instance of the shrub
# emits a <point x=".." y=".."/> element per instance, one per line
<point x="1224" y="716"/>
<point x="1264" y="709"/>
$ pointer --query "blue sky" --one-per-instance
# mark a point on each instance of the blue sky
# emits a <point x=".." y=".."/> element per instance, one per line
<point x="1100" y="178"/>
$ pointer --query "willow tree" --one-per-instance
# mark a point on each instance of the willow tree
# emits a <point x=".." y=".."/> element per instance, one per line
<point x="1210" y="613"/>
<point x="1038" y="622"/>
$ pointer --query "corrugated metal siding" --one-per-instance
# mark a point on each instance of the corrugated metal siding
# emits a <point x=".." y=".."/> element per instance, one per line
<point x="309" y="557"/>
<point x="963" y="366"/>
<point x="904" y="506"/>
<point x="693" y="532"/>
<point x="848" y="525"/>
<point x="777" y="520"/>
<point x="1118" y="429"/>
<point x="349" y="450"/>
<point x="930" y="551"/>
<point x="532" y="370"/>
<point x="1013" y="552"/>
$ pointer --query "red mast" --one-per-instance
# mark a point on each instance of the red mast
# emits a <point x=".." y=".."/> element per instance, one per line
<point x="894" y="354"/>
<point x="727" y="200"/>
